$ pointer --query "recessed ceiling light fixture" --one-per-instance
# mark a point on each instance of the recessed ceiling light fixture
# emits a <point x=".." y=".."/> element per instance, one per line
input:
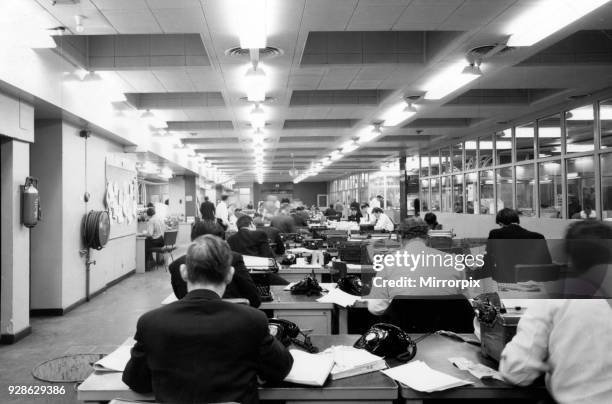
<point x="258" y="117"/>
<point x="78" y="20"/>
<point x="547" y="17"/>
<point x="92" y="76"/>
<point x="398" y="113"/>
<point x="256" y="84"/>
<point x="448" y="81"/>
<point x="253" y="33"/>
<point x="369" y="135"/>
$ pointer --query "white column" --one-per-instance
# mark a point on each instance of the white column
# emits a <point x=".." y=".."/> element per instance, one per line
<point x="15" y="243"/>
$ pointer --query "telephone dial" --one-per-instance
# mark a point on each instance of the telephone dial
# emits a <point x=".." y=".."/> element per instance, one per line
<point x="308" y="286"/>
<point x="288" y="332"/>
<point x="388" y="341"/>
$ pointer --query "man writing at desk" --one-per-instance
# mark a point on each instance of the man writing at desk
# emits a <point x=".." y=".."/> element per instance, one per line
<point x="188" y="351"/>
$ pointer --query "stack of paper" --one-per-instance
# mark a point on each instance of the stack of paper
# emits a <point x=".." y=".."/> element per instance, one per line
<point x="339" y="297"/>
<point x="252" y="262"/>
<point x="310" y="369"/>
<point x="418" y="376"/>
<point x="477" y="370"/>
<point x="350" y="361"/>
<point x="115" y="361"/>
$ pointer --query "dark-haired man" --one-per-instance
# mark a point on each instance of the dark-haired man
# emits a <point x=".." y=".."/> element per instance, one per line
<point x="300" y="217"/>
<point x="382" y="222"/>
<point x="202" y="349"/>
<point x="504" y="244"/>
<point x="155" y="234"/>
<point x="283" y="222"/>
<point x="569" y="340"/>
<point x="273" y="234"/>
<point x="241" y="286"/>
<point x="248" y="240"/>
<point x="207" y="209"/>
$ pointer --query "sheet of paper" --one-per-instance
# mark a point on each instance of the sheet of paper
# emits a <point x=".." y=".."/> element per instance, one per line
<point x="299" y="250"/>
<point x="310" y="369"/>
<point x="305" y="266"/>
<point x="418" y="376"/>
<point x="170" y="299"/>
<point x="251" y="261"/>
<point x="347" y="357"/>
<point x="477" y="370"/>
<point x="355" y="267"/>
<point x="339" y="297"/>
<point x="115" y="361"/>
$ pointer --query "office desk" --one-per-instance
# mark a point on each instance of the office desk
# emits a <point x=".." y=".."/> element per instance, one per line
<point x="369" y="388"/>
<point x="435" y="351"/>
<point x="296" y="273"/>
<point x="303" y="310"/>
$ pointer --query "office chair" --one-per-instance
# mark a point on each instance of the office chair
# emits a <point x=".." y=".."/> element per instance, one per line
<point x="422" y="314"/>
<point x="167" y="248"/>
<point x="538" y="273"/>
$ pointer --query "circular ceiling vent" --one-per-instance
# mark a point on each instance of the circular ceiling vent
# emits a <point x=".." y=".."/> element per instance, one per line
<point x="267" y="52"/>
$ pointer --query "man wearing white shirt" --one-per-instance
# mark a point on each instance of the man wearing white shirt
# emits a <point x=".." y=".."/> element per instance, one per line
<point x="221" y="212"/>
<point x="374" y="203"/>
<point x="569" y="340"/>
<point x="382" y="221"/>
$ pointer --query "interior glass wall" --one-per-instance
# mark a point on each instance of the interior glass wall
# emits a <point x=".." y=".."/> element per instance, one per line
<point x="504" y="188"/>
<point x="458" y="193"/>
<point x="551" y="189"/>
<point x="424" y="195"/>
<point x="580" y="175"/>
<point x="606" y="186"/>
<point x="435" y="195"/>
<point x="579" y="132"/>
<point x="605" y="123"/>
<point x="457" y="151"/>
<point x="524" y="139"/>
<point x="470" y="161"/>
<point x="434" y="163"/>
<point x="445" y="160"/>
<point x="487" y="192"/>
<point x="471" y="193"/>
<point x="525" y="185"/>
<point x="549" y="136"/>
<point x="447" y="194"/>
<point x="485" y="151"/>
<point x="503" y="147"/>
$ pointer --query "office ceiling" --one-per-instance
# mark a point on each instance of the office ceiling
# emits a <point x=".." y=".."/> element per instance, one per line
<point x="342" y="64"/>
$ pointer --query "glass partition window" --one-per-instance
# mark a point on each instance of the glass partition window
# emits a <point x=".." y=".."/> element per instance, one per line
<point x="425" y="166"/>
<point x="445" y="160"/>
<point x="457" y="162"/>
<point x="447" y="194"/>
<point x="435" y="195"/>
<point x="458" y="193"/>
<point x="606" y="186"/>
<point x="503" y="146"/>
<point x="487" y="192"/>
<point x="605" y="120"/>
<point x="424" y="195"/>
<point x="524" y="138"/>
<point x="551" y="189"/>
<point x="471" y="192"/>
<point x="471" y="156"/>
<point x="485" y="151"/>
<point x="504" y="183"/>
<point x="525" y="181"/>
<point x="580" y="176"/>
<point x="549" y="136"/>
<point x="434" y="163"/>
<point x="579" y="130"/>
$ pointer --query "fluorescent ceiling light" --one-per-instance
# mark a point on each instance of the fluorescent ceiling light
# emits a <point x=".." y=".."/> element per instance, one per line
<point x="92" y="76"/>
<point x="258" y="117"/>
<point x="584" y="113"/>
<point x="576" y="148"/>
<point x="349" y="146"/>
<point x="547" y="17"/>
<point x="336" y="155"/>
<point x="256" y="84"/>
<point x="253" y="24"/>
<point x="369" y="135"/>
<point x="396" y="114"/>
<point x="448" y="81"/>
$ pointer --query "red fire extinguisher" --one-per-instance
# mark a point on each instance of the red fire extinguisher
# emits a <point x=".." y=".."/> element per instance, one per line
<point x="30" y="203"/>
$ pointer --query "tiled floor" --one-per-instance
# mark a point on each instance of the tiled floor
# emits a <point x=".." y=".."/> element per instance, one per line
<point x="94" y="327"/>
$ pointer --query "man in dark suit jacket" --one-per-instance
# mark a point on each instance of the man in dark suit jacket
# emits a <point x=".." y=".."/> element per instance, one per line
<point x="511" y="245"/>
<point x="283" y="221"/>
<point x="207" y="209"/>
<point x="248" y="240"/>
<point x="300" y="217"/>
<point x="273" y="235"/>
<point x="241" y="286"/>
<point x="201" y="349"/>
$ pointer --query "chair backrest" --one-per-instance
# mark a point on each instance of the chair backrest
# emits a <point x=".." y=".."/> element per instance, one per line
<point x="170" y="238"/>
<point x="538" y="273"/>
<point x="421" y="314"/>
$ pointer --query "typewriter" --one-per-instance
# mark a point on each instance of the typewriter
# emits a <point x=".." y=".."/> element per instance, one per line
<point x="313" y="243"/>
<point x="264" y="292"/>
<point x="354" y="251"/>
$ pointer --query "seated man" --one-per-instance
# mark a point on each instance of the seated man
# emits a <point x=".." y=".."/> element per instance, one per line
<point x="365" y="218"/>
<point x="300" y="217"/>
<point x="503" y="244"/>
<point x="382" y="221"/>
<point x="273" y="235"/>
<point x="155" y="234"/>
<point x="248" y="240"/>
<point x="438" y="264"/>
<point x="188" y="351"/>
<point x="241" y="286"/>
<point x="432" y="221"/>
<point x="355" y="214"/>
<point x="283" y="222"/>
<point x="330" y="211"/>
<point x="569" y="340"/>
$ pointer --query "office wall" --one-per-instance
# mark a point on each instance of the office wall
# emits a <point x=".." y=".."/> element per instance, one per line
<point x="16" y="118"/>
<point x="304" y="191"/>
<point x="176" y="192"/>
<point x="46" y="259"/>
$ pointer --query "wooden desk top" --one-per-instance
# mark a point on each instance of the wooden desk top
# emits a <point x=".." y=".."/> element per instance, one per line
<point x="435" y="351"/>
<point x="373" y="386"/>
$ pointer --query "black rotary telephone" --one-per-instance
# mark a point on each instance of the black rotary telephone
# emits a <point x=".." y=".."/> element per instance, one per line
<point x="288" y="332"/>
<point x="288" y="259"/>
<point x="351" y="284"/>
<point x="388" y="341"/>
<point x="308" y="286"/>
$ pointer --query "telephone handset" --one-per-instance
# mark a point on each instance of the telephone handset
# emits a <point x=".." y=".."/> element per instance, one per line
<point x="388" y="341"/>
<point x="288" y="332"/>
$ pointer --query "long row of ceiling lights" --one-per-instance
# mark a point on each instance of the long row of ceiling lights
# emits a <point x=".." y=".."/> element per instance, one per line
<point x="253" y="36"/>
<point x="528" y="29"/>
